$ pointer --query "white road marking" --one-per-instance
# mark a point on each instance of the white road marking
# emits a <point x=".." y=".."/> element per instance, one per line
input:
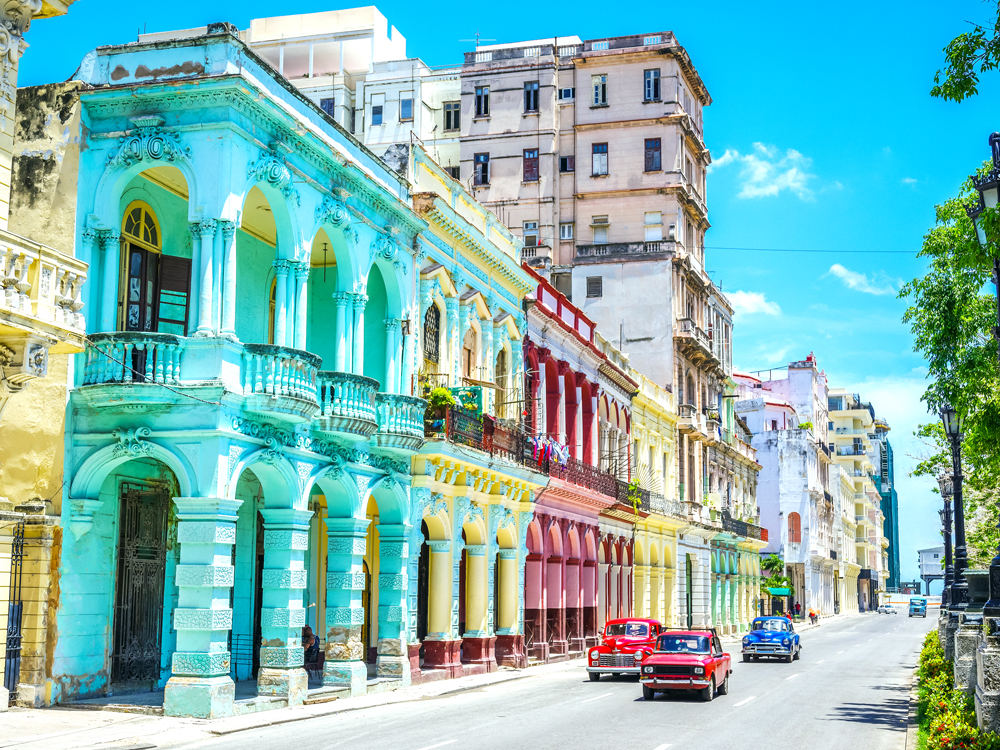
<point x="793" y="676"/>
<point x="840" y="652"/>
<point x="661" y="747"/>
<point x="597" y="698"/>
<point x="440" y="744"/>
<point x="821" y="661"/>
<point x="741" y="703"/>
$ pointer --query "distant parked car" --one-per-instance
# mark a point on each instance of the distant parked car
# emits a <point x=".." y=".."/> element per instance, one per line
<point x="624" y="644"/>
<point x="887" y="609"/>
<point x="918" y="607"/>
<point x="687" y="660"/>
<point x="771" y="636"/>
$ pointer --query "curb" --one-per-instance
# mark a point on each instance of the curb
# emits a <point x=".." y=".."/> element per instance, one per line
<point x="911" y="714"/>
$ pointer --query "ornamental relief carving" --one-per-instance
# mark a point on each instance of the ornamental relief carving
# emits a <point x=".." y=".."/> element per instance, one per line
<point x="130" y="443"/>
<point x="147" y="141"/>
<point x="273" y="170"/>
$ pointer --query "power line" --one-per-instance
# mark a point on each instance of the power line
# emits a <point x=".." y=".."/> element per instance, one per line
<point x="817" y="252"/>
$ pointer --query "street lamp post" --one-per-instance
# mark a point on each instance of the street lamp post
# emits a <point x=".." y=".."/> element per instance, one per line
<point x="959" y="594"/>
<point x="944" y="482"/>
<point x="989" y="196"/>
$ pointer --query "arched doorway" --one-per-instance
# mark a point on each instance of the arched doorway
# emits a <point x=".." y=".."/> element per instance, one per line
<point x="376" y="314"/>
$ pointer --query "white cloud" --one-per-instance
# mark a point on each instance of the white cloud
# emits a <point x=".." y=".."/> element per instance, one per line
<point x="860" y="282"/>
<point x="748" y="303"/>
<point x="909" y="181"/>
<point x="767" y="171"/>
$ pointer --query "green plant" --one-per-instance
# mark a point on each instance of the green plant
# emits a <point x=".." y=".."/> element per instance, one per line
<point x="634" y="495"/>
<point x="773" y="564"/>
<point x="805" y="425"/>
<point x="440" y="398"/>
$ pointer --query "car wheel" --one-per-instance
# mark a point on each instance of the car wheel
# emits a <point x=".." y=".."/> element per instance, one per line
<point x="708" y="692"/>
<point x="756" y="658"/>
<point x="788" y="659"/>
<point x="648" y="693"/>
<point x="724" y="687"/>
<point x="798" y="653"/>
<point x="616" y="674"/>
<point x="746" y="657"/>
<point x="594" y="676"/>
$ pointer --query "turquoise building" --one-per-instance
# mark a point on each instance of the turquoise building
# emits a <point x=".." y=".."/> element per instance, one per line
<point x="246" y="397"/>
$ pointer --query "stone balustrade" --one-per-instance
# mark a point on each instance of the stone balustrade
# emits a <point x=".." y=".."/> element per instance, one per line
<point x="133" y="357"/>
<point x="279" y="371"/>
<point x="400" y="421"/>
<point x="347" y="403"/>
<point x="42" y="286"/>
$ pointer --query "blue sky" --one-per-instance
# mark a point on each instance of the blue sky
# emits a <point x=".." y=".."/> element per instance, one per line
<point x="824" y="139"/>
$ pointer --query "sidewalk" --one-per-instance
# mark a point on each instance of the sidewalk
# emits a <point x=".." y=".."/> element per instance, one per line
<point x="68" y="728"/>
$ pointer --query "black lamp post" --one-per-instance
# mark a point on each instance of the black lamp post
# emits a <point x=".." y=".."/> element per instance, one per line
<point x="989" y="197"/>
<point x="944" y="482"/>
<point x="952" y="420"/>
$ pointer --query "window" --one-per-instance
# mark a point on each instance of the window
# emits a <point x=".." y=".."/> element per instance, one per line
<point x="600" y="84"/>
<point x="774" y="424"/>
<point x="566" y="231"/>
<point x="595" y="286"/>
<point x="567" y="163"/>
<point x="672" y="232"/>
<point x="651" y="87"/>
<point x="376" y="115"/>
<point x="481" y="164"/>
<point x="600" y="226"/>
<point x="600" y="45"/>
<point x="406" y="108"/>
<point x="531" y="96"/>
<point x="654" y="226"/>
<point x="452" y="115"/>
<point x="455" y="172"/>
<point x="794" y="528"/>
<point x="565" y="94"/>
<point x="327" y="105"/>
<point x="530" y="232"/>
<point x="432" y="334"/>
<point x="600" y="166"/>
<point x="652" y="39"/>
<point x="530" y="165"/>
<point x="652" y="162"/>
<point x="482" y="101"/>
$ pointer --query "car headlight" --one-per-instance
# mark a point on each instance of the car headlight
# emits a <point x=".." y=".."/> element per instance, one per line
<point x="647" y="670"/>
<point x="638" y="655"/>
<point x="699" y="670"/>
<point x="786" y="641"/>
<point x="746" y="641"/>
<point x="594" y="654"/>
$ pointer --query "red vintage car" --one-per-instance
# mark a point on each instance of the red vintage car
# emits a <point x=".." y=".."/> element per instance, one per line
<point x="687" y="660"/>
<point x="624" y="645"/>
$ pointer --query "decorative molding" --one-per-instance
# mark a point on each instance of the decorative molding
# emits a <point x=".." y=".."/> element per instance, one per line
<point x="147" y="141"/>
<point x="131" y="444"/>
<point x="272" y="169"/>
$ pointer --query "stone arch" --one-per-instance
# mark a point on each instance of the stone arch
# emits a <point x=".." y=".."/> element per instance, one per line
<point x="289" y="243"/>
<point x="640" y="553"/>
<point x="87" y="480"/>
<point x="340" y="491"/>
<point x="654" y="554"/>
<point x="277" y="478"/>
<point x="555" y="540"/>
<point x="573" y="543"/>
<point x="391" y="498"/>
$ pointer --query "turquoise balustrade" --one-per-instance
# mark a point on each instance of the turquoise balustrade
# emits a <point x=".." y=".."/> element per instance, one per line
<point x="400" y="421"/>
<point x="279" y="371"/>
<point x="133" y="357"/>
<point x="347" y="404"/>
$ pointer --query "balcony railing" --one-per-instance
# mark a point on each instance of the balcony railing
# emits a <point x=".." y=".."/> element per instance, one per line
<point x="280" y="372"/>
<point x="400" y="421"/>
<point x="666" y="507"/>
<point x="622" y="496"/>
<point x="486" y="433"/>
<point x="743" y="528"/>
<point x="636" y="250"/>
<point x="127" y="357"/>
<point x="41" y="285"/>
<point x="850" y="450"/>
<point x="347" y="404"/>
<point x="581" y="474"/>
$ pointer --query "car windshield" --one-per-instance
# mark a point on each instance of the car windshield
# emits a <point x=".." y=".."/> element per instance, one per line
<point x="682" y="644"/>
<point x="918" y="601"/>
<point x="772" y="626"/>
<point x="631" y="629"/>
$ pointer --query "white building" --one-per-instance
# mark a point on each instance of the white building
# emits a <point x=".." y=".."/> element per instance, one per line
<point x="931" y="565"/>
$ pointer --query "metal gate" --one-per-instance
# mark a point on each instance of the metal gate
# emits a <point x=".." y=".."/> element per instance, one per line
<point x="15" y="607"/>
<point x="142" y="555"/>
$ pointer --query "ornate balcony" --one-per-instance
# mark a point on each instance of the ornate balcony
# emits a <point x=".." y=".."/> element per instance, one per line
<point x="280" y="382"/>
<point x="616" y="251"/>
<point x="695" y="343"/>
<point x="133" y="357"/>
<point x="743" y="528"/>
<point x="346" y="405"/>
<point x="400" y="422"/>
<point x="691" y="420"/>
<point x="581" y="474"/>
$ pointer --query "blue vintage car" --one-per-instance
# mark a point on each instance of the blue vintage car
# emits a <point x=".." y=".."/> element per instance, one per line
<point x="771" y="636"/>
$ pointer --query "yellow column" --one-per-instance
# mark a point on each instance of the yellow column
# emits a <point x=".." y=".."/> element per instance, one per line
<point x="439" y="590"/>
<point x="475" y="591"/>
<point x="669" y="611"/>
<point x="508" y="592"/>
<point x="641" y="604"/>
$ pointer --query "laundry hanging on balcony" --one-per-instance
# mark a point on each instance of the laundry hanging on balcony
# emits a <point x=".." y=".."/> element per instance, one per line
<point x="546" y="448"/>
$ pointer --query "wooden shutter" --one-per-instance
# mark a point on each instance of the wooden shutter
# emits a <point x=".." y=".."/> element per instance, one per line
<point x="174" y="295"/>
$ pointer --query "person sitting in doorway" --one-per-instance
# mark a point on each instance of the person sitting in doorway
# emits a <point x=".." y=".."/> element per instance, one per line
<point x="311" y="644"/>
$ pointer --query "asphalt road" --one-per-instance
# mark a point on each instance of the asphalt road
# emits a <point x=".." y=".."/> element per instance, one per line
<point x="849" y="690"/>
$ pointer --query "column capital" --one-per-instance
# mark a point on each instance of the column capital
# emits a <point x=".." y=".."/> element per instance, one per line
<point x="360" y="299"/>
<point x="228" y="228"/>
<point x="109" y="238"/>
<point x="285" y="518"/>
<point x="207" y="508"/>
<point x="439" y="545"/>
<point x="282" y="266"/>
<point x="347" y="526"/>
<point x="475" y="550"/>
<point x="341" y="299"/>
<point x="391" y="324"/>
<point x="302" y="269"/>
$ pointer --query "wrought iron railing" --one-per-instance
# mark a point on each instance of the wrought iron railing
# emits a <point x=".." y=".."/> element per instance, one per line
<point x="624" y="494"/>
<point x="743" y="528"/>
<point x="581" y="474"/>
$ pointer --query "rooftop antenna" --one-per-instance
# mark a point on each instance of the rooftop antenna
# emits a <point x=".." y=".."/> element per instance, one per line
<point x="477" y="40"/>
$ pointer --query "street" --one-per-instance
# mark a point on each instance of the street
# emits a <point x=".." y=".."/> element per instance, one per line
<point x="849" y="690"/>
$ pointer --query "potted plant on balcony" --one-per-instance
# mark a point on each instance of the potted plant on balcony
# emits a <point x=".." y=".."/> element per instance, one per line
<point x="439" y="400"/>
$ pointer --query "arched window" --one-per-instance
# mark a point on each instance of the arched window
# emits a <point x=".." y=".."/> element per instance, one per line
<point x="432" y="334"/>
<point x="272" y="305"/>
<point x="794" y="528"/>
<point x="692" y="394"/>
<point x="154" y="287"/>
<point x="504" y="396"/>
<point x="469" y="354"/>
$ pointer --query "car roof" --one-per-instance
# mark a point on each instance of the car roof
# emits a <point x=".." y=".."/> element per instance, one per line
<point x="632" y="619"/>
<point x="771" y="617"/>
<point x="671" y="631"/>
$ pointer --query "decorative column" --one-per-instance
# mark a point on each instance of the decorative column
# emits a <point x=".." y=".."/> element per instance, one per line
<point x="358" y="344"/>
<point x="340" y="332"/>
<point x="465" y="313"/>
<point x="290" y="303"/>
<point x="507" y="611"/>
<point x="477" y="643"/>
<point x="406" y="370"/>
<point x="301" y="304"/>
<point x="390" y="384"/>
<point x="229" y="279"/>
<point x="200" y="685"/>
<point x="563" y="369"/>
<point x="489" y="395"/>
<point x="110" y="256"/>
<point x="453" y="345"/>
<point x="344" y="666"/>
<point x="218" y="270"/>
<point x="206" y="280"/>
<point x="394" y="550"/>
<point x="281" y="268"/>
<point x="286" y="539"/>
<point x="440" y="647"/>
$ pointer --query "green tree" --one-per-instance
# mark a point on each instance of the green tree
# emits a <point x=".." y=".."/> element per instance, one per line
<point x="966" y="57"/>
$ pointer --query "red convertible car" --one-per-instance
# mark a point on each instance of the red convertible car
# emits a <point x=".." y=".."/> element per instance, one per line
<point x="687" y="660"/>
<point x="624" y="645"/>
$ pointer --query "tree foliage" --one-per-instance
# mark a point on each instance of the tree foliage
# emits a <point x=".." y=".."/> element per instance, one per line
<point x="966" y="57"/>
